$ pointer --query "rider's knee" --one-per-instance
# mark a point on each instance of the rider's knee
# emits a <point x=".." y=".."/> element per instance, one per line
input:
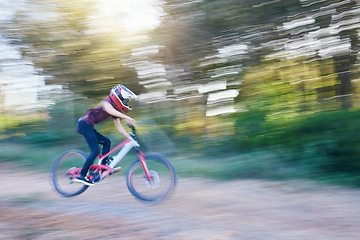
<point x="107" y="142"/>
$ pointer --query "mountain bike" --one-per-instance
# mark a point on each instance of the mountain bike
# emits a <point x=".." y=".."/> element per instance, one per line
<point x="149" y="178"/>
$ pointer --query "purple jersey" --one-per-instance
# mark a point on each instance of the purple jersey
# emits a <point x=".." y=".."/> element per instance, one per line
<point x="96" y="114"/>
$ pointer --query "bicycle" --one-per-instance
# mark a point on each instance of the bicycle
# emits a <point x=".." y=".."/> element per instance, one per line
<point x="150" y="178"/>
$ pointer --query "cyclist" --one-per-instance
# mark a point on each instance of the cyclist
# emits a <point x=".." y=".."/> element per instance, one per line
<point x="115" y="105"/>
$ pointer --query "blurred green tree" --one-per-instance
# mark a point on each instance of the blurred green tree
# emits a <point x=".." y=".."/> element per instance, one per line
<point x="64" y="46"/>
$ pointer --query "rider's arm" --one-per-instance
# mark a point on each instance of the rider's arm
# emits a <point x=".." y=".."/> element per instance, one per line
<point x="120" y="128"/>
<point x="113" y="112"/>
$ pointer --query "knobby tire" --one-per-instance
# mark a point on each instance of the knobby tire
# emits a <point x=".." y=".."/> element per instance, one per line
<point x="55" y="173"/>
<point x="168" y="172"/>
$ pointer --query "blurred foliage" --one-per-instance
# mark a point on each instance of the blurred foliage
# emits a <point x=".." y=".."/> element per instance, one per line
<point x="67" y="50"/>
<point x="294" y="64"/>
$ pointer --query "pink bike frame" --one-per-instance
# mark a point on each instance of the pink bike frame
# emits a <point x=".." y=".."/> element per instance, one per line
<point x="123" y="148"/>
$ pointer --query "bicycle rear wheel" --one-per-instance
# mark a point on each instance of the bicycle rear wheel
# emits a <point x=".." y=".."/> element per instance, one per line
<point x="163" y="178"/>
<point x="66" y="167"/>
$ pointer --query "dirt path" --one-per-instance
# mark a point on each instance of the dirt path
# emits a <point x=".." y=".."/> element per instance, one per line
<point x="199" y="209"/>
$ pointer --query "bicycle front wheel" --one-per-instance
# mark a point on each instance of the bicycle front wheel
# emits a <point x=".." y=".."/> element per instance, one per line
<point x="65" y="168"/>
<point x="163" y="178"/>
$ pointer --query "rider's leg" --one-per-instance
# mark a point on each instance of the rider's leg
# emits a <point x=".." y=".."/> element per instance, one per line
<point x="104" y="141"/>
<point x="90" y="136"/>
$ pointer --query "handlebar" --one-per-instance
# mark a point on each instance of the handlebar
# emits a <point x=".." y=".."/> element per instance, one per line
<point x="132" y="128"/>
<point x="133" y="132"/>
<point x="133" y="136"/>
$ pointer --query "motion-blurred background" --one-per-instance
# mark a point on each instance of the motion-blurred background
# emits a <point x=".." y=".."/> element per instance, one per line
<point x="228" y="89"/>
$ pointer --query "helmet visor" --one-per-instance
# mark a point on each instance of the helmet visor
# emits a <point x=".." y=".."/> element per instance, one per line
<point x="123" y="100"/>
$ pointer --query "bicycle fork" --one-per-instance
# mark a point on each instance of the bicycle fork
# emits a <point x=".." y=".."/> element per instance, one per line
<point x="143" y="164"/>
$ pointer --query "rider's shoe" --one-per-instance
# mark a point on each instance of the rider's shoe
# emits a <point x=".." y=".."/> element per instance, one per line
<point x="116" y="170"/>
<point x="83" y="180"/>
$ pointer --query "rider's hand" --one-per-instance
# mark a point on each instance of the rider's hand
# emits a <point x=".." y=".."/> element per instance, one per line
<point x="130" y="121"/>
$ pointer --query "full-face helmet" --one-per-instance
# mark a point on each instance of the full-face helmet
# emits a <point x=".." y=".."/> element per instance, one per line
<point x="120" y="96"/>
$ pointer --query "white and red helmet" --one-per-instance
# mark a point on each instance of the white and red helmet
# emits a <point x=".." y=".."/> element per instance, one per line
<point x="120" y="96"/>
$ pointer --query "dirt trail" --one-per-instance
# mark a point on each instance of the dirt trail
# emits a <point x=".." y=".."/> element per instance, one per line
<point x="199" y="209"/>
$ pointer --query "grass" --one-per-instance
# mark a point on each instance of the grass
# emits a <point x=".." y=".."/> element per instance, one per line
<point x="250" y="165"/>
<point x="29" y="156"/>
<point x="259" y="165"/>
<point x="41" y="158"/>
<point x="255" y="165"/>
